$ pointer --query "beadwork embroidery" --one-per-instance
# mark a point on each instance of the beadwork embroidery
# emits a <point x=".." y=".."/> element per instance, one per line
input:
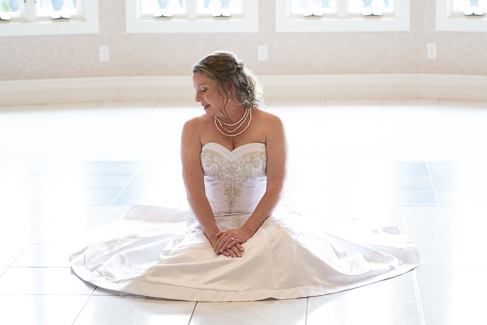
<point x="233" y="173"/>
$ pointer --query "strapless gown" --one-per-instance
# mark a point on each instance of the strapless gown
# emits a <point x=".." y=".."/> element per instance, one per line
<point x="162" y="252"/>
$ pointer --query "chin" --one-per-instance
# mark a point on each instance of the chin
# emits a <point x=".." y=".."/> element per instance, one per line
<point x="210" y="112"/>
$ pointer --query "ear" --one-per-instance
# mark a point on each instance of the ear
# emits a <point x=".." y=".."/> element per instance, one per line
<point x="230" y="86"/>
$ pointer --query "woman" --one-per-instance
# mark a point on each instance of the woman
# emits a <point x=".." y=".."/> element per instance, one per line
<point x="232" y="245"/>
<point x="230" y="97"/>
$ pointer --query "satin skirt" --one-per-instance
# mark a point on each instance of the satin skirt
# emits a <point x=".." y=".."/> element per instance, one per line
<point x="161" y="252"/>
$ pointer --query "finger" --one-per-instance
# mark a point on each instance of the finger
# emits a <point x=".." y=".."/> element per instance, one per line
<point x="240" y="247"/>
<point x="225" y="245"/>
<point x="232" y="253"/>
<point x="236" y="251"/>
<point x="219" y="234"/>
<point x="215" y="247"/>
<point x="221" y="243"/>
<point x="232" y="243"/>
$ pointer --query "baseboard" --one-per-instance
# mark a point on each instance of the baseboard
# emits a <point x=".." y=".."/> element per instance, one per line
<point x="341" y="86"/>
<point x="172" y="88"/>
<point x="462" y="87"/>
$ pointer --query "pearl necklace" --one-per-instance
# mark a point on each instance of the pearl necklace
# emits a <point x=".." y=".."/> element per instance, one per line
<point x="218" y="121"/>
<point x="241" y="121"/>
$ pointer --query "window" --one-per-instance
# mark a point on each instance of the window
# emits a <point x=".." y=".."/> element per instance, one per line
<point x="461" y="15"/>
<point x="342" y="15"/>
<point x="469" y="7"/>
<point x="191" y="16"/>
<point x="341" y="9"/>
<point x="48" y="17"/>
<point x="191" y="9"/>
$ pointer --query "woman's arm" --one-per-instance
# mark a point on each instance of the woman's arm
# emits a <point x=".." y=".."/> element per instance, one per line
<point x="276" y="173"/>
<point x="194" y="179"/>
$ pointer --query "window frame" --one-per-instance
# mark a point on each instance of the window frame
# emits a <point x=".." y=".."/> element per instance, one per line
<point x="248" y="22"/>
<point x="88" y="23"/>
<point x="446" y="21"/>
<point x="399" y="22"/>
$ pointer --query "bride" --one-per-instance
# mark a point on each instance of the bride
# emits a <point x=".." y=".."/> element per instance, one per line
<point x="233" y="244"/>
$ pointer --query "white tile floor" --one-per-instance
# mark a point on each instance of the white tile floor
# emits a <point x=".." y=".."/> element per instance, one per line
<point x="417" y="164"/>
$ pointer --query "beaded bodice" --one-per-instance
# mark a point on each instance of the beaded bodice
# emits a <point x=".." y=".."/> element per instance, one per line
<point x="235" y="181"/>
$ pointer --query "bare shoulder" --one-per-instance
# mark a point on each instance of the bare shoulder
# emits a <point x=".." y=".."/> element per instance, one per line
<point x="194" y="123"/>
<point x="268" y="118"/>
<point x="193" y="127"/>
<point x="271" y="122"/>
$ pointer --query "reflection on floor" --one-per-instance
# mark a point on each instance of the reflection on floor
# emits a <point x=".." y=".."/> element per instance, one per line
<point x="417" y="164"/>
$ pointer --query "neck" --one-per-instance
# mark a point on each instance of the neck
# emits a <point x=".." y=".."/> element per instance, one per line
<point x="235" y="113"/>
<point x="234" y="129"/>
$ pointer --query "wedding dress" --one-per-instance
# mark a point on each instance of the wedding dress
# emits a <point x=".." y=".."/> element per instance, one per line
<point x="161" y="252"/>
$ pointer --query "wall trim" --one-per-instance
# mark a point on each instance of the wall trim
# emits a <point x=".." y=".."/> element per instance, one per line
<point x="172" y="88"/>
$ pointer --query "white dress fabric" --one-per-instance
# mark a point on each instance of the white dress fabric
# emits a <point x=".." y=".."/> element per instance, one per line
<point x="161" y="252"/>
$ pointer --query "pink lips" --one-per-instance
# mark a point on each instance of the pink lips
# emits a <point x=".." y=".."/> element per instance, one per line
<point x="206" y="106"/>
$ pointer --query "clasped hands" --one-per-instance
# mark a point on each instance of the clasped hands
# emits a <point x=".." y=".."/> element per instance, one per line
<point x="229" y="243"/>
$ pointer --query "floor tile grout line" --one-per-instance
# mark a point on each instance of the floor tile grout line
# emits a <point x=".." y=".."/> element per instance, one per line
<point x="82" y="308"/>
<point x="418" y="299"/>
<point x="307" y="311"/>
<point x="39" y="267"/>
<point x="432" y="183"/>
<point x="415" y="280"/>
<point x="35" y="237"/>
<point x="62" y="294"/>
<point x="443" y="113"/>
<point x="404" y="221"/>
<point x="192" y="313"/>
<point x="128" y="182"/>
<point x="40" y="107"/>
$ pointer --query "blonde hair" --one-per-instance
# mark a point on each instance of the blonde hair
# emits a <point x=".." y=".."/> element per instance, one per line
<point x="227" y="69"/>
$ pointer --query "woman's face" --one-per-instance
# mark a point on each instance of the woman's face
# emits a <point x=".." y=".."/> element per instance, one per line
<point x="207" y="93"/>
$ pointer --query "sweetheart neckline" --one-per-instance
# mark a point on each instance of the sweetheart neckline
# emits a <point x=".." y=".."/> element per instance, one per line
<point x="232" y="151"/>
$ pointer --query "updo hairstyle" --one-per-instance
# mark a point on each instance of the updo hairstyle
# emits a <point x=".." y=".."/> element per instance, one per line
<point x="226" y="68"/>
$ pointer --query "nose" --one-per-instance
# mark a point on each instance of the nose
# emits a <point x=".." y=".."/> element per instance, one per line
<point x="197" y="98"/>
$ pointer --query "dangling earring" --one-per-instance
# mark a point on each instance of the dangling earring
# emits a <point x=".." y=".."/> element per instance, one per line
<point x="229" y="93"/>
